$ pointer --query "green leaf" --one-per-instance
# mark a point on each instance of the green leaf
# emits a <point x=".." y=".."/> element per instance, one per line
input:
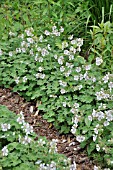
<point x="90" y="148"/>
<point x="86" y="98"/>
<point x="87" y="122"/>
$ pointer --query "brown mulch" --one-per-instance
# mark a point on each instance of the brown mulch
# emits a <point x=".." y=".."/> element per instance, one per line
<point x="67" y="144"/>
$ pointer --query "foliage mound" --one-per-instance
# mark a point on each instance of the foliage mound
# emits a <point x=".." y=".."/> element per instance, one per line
<point x="20" y="150"/>
<point x="43" y="63"/>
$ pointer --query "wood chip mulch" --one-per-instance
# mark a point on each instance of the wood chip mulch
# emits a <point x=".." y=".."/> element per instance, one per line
<point x="67" y="144"/>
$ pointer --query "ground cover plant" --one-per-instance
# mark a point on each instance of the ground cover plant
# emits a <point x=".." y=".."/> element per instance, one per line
<point x="74" y="94"/>
<point x="19" y="150"/>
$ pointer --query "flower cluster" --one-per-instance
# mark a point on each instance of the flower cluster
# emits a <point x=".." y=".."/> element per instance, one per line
<point x="5" y="151"/>
<point x="53" y="146"/>
<point x="5" y="126"/>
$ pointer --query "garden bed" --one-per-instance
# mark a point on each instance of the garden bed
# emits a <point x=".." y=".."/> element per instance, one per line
<point x="66" y="143"/>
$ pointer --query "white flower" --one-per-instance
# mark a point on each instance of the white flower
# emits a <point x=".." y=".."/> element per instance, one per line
<point x="69" y="65"/>
<point x="54" y="27"/>
<point x="62" y="91"/>
<point x="60" y="60"/>
<point x="74" y="51"/>
<point x="29" y="32"/>
<point x="73" y="166"/>
<point x="23" y="43"/>
<point x="38" y="49"/>
<point x="94" y="137"/>
<point x="88" y="67"/>
<point x="99" y="61"/>
<point x="62" y="68"/>
<point x="105" y="78"/>
<point x="90" y="118"/>
<point x="76" y="77"/>
<point x="61" y="29"/>
<point x="55" y="56"/>
<point x="97" y="147"/>
<point x="20" y="118"/>
<point x="10" y="53"/>
<point x="44" y="52"/>
<point x="21" y="36"/>
<point x="73" y="130"/>
<point x="96" y="131"/>
<point x="73" y="110"/>
<point x="27" y="128"/>
<point x="5" y="127"/>
<point x="64" y="45"/>
<point x="94" y="79"/>
<point x="47" y="32"/>
<point x="71" y="48"/>
<point x="106" y="123"/>
<point x="109" y="115"/>
<point x="86" y="76"/>
<point x="18" y="50"/>
<point x="40" y="59"/>
<point x="30" y="40"/>
<point x="100" y="115"/>
<point x="23" y="50"/>
<point x="37" y="75"/>
<point x="36" y="57"/>
<point x="5" y="151"/>
<point x="41" y="142"/>
<point x="78" y="69"/>
<point x="27" y="44"/>
<point x="79" y="42"/>
<point x="41" y="38"/>
<point x="99" y="95"/>
<point x="81" y="76"/>
<point x="70" y="37"/>
<point x="80" y="87"/>
<point x="1" y="52"/>
<point x="26" y="140"/>
<point x="78" y="49"/>
<point x="40" y="69"/>
<point x="66" y="52"/>
<point x="17" y="80"/>
<point x="68" y="73"/>
<point x="94" y="113"/>
<point x="96" y="168"/>
<point x="24" y="79"/>
<point x="80" y="138"/>
<point x="75" y="120"/>
<point x="11" y="33"/>
<point x="73" y="42"/>
<point x="48" y="46"/>
<point x="71" y="57"/>
<point x="31" y="51"/>
<point x="76" y="105"/>
<point x="57" y="33"/>
<point x="42" y="76"/>
<point x="62" y="83"/>
<point x="110" y="85"/>
<point x="64" y="104"/>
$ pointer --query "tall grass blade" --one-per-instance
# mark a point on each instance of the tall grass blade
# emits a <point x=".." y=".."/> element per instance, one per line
<point x="102" y="14"/>
<point x="110" y="12"/>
